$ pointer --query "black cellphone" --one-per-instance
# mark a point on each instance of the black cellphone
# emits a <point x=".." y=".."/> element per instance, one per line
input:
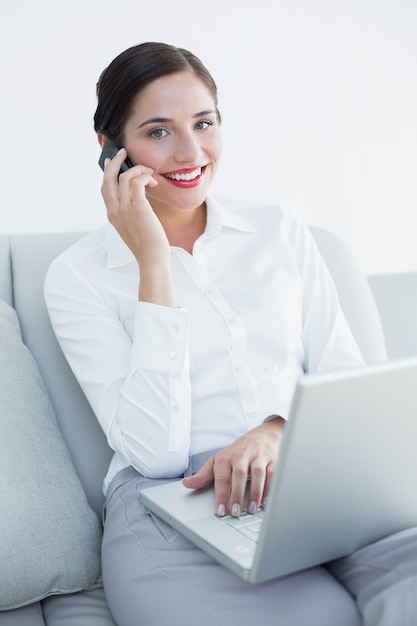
<point x="109" y="151"/>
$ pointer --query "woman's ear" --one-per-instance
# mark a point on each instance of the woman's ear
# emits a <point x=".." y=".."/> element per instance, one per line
<point x="101" y="139"/>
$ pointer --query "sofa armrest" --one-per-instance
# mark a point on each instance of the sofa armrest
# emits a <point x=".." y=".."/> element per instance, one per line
<point x="5" y="270"/>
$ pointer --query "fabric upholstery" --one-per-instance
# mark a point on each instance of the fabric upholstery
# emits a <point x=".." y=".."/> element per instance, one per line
<point x="354" y="294"/>
<point x="396" y="297"/>
<point x="5" y="270"/>
<point x="30" y="257"/>
<point x="87" y="608"/>
<point x="49" y="536"/>
<point x="30" y="615"/>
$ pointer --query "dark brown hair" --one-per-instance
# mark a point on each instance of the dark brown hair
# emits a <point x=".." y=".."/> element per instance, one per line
<point x="130" y="72"/>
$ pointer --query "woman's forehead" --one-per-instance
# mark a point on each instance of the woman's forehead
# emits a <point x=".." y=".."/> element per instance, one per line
<point x="182" y="90"/>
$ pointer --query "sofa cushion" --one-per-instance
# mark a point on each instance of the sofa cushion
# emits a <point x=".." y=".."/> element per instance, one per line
<point x="49" y="536"/>
<point x="31" y="615"/>
<point x="88" y="608"/>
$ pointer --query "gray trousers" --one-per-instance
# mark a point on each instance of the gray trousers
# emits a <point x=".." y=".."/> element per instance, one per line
<point x="155" y="577"/>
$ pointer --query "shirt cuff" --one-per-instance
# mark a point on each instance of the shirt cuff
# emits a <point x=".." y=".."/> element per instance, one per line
<point x="272" y="417"/>
<point x="160" y="341"/>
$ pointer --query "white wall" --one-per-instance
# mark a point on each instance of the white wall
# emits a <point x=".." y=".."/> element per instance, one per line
<point x="318" y="99"/>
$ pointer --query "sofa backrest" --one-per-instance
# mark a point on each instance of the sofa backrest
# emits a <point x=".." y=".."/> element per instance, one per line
<point x="28" y="257"/>
<point x="396" y="298"/>
<point x="5" y="270"/>
<point x="354" y="294"/>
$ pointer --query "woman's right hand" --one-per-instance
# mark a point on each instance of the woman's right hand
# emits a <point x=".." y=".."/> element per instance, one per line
<point x="253" y="456"/>
<point x="131" y="214"/>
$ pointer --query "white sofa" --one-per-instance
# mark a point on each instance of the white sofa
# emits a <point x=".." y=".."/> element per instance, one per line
<point x="23" y="263"/>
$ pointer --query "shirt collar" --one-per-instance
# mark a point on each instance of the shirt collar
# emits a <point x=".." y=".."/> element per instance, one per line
<point x="219" y="216"/>
<point x="223" y="214"/>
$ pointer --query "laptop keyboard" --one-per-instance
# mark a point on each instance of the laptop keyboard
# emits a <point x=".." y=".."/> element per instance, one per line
<point x="247" y="524"/>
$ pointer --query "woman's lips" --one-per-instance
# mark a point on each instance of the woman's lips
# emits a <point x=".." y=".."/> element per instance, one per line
<point x="185" y="178"/>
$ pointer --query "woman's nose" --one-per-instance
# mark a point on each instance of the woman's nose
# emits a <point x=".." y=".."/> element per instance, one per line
<point x="188" y="149"/>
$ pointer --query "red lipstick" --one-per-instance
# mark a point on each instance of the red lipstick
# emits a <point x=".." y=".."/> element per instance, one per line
<point x="185" y="178"/>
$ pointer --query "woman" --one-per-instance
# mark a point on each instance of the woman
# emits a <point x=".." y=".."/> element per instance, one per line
<point x="187" y="323"/>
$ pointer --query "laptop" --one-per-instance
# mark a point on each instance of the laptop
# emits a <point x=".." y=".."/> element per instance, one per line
<point x="346" y="476"/>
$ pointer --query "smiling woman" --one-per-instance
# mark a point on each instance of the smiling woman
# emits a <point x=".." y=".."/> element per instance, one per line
<point x="173" y="129"/>
<point x="188" y="322"/>
<point x="166" y="117"/>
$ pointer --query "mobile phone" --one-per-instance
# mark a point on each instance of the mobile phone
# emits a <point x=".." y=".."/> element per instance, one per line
<point x="109" y="151"/>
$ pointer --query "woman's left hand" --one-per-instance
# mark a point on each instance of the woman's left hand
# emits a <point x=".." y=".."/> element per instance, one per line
<point x="253" y="456"/>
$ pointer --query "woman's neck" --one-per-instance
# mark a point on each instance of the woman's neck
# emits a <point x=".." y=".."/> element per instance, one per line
<point x="183" y="227"/>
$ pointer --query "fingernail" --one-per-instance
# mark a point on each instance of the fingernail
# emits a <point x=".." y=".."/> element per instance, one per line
<point x="120" y="151"/>
<point x="253" y="507"/>
<point x="235" y="510"/>
<point x="221" y="510"/>
<point x="106" y="162"/>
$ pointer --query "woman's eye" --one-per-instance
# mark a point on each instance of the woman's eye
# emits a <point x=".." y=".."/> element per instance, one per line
<point x="158" y="133"/>
<point x="203" y="124"/>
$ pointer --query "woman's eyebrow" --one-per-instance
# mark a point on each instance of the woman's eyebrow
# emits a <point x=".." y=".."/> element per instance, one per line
<point x="208" y="112"/>
<point x="167" y="120"/>
<point x="156" y="120"/>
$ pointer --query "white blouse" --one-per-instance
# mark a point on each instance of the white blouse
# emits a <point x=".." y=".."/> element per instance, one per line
<point x="258" y="309"/>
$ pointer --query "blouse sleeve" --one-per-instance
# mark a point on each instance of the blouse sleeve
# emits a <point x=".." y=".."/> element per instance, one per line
<point x="139" y="388"/>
